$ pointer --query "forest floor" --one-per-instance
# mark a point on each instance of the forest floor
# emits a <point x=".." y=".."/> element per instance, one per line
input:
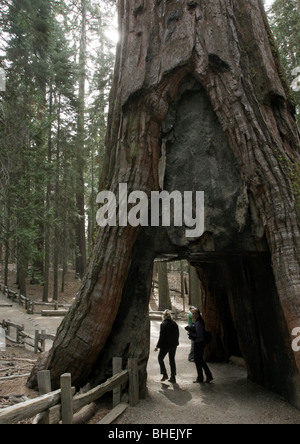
<point x="18" y="360"/>
<point x="230" y="399"/>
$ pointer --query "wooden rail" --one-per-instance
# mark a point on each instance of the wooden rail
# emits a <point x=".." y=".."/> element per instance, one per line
<point x="19" y="331"/>
<point x="29" y="305"/>
<point x="157" y="314"/>
<point x="61" y="405"/>
<point x="41" y="338"/>
<point x="37" y="342"/>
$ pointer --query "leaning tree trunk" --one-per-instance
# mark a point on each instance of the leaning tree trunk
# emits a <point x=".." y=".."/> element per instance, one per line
<point x="227" y="47"/>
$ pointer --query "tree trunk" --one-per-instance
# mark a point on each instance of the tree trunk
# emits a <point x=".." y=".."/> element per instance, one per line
<point x="21" y="271"/>
<point x="6" y="240"/>
<point x="163" y="287"/>
<point x="194" y="288"/>
<point x="48" y="204"/>
<point x="182" y="285"/>
<point x="80" y="228"/>
<point x="57" y="228"/>
<point x="221" y="53"/>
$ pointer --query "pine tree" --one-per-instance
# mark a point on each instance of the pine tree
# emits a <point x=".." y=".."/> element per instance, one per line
<point x="52" y="128"/>
<point x="40" y="86"/>
<point x="23" y="136"/>
<point x="284" y="18"/>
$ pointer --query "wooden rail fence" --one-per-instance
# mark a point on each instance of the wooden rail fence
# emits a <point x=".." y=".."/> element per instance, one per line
<point x="56" y="309"/>
<point x="51" y="308"/>
<point x="37" y="342"/>
<point x="61" y="406"/>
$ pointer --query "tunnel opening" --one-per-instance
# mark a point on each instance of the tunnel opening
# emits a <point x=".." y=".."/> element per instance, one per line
<point x="242" y="311"/>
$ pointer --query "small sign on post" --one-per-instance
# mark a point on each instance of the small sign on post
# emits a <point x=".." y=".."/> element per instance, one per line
<point x="2" y="80"/>
<point x="2" y="339"/>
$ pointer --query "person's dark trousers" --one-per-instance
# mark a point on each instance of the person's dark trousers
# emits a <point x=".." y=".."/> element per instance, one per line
<point x="199" y="361"/>
<point x="191" y="355"/>
<point x="161" y="356"/>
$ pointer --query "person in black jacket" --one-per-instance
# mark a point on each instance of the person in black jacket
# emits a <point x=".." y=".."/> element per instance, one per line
<point x="199" y="346"/>
<point x="168" y="343"/>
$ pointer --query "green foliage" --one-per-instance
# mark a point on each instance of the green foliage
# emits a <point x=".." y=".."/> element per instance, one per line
<point x="40" y="42"/>
<point x="284" y="17"/>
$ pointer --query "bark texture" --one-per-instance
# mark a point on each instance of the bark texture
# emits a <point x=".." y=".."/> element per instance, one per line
<point x="196" y="84"/>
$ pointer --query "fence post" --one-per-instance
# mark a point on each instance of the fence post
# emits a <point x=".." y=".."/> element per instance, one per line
<point x="133" y="381"/>
<point x="43" y="341"/>
<point x="44" y="384"/>
<point x="36" y="341"/>
<point x="18" y="330"/>
<point x="66" y="399"/>
<point x="117" y="368"/>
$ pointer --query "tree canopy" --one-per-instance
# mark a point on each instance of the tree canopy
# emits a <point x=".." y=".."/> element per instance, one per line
<point x="43" y="118"/>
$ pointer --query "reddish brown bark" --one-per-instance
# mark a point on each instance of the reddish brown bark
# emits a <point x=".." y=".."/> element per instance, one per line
<point x="227" y="47"/>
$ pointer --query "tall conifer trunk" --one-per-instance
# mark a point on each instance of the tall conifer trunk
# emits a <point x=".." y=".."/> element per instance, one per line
<point x="163" y="287"/>
<point x="80" y="148"/>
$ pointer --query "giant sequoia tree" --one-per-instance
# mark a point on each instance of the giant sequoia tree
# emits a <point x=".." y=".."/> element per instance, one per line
<point x="199" y="102"/>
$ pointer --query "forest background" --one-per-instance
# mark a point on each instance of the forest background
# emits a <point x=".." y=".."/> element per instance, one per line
<point x="57" y="60"/>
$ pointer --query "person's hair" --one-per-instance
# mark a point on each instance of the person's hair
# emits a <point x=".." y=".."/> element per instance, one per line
<point x="199" y="318"/>
<point x="196" y="311"/>
<point x="167" y="315"/>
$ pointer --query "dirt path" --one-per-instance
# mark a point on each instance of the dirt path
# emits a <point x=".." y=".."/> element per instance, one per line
<point x="230" y="399"/>
<point x="18" y="315"/>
